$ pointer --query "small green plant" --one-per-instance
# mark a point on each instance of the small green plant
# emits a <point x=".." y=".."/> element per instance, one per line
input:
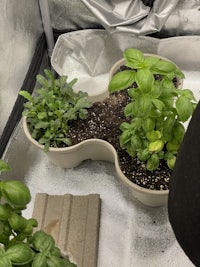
<point x="19" y="245"/>
<point x="157" y="109"/>
<point x="51" y="110"/>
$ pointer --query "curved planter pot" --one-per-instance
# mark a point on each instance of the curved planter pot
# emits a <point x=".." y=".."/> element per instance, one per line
<point x="97" y="149"/>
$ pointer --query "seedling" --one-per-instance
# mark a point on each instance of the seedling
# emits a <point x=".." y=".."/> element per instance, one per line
<point x="50" y="112"/>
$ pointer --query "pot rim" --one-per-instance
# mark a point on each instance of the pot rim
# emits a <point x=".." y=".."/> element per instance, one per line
<point x="88" y="142"/>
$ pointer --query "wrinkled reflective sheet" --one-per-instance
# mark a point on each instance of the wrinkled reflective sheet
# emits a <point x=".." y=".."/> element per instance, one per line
<point x="89" y="54"/>
<point x="20" y="29"/>
<point x="131" y="16"/>
<point x="114" y="14"/>
<point x="183" y="19"/>
<point x="71" y="15"/>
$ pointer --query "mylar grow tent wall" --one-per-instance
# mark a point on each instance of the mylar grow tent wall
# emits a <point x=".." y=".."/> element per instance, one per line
<point x="147" y="238"/>
<point x="24" y="24"/>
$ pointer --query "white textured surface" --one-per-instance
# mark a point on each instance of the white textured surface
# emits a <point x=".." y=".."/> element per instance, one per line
<point x="131" y="235"/>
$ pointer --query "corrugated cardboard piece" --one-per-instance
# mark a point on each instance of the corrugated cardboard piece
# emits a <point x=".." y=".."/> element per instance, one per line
<point x="74" y="223"/>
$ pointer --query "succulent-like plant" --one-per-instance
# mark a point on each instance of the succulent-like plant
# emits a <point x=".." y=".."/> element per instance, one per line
<point x="19" y="244"/>
<point x="157" y="109"/>
<point x="51" y="110"/>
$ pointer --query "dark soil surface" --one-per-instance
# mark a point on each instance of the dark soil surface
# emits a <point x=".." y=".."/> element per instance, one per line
<point x="103" y="121"/>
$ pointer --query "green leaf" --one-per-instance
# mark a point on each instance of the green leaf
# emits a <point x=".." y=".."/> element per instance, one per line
<point x="15" y="192"/>
<point x="188" y="94"/>
<point x="125" y="126"/>
<point x="131" y="151"/>
<point x="144" y="79"/>
<point x="121" y="80"/>
<point x="4" y="167"/>
<point x="4" y="238"/>
<point x="178" y="73"/>
<point x="5" y="211"/>
<point x="178" y="132"/>
<point x="42" y="115"/>
<point x="148" y="124"/>
<point x="66" y="141"/>
<point x="171" y="162"/>
<point x="134" y="58"/>
<point x="143" y="154"/>
<point x="172" y="146"/>
<point x="184" y="108"/>
<point x="151" y="61"/>
<point x="82" y="103"/>
<point x="125" y="138"/>
<point x="17" y="222"/>
<point x="42" y="81"/>
<point x="136" y="142"/>
<point x="156" y="89"/>
<point x="142" y="106"/>
<point x="153" y="135"/>
<point x="49" y="74"/>
<point x="41" y="125"/>
<point x="6" y="228"/>
<point x="62" y="81"/>
<point x="158" y="104"/>
<point x="153" y="162"/>
<point x="129" y="109"/>
<point x="26" y="95"/>
<point x="67" y="263"/>
<point x="156" y="146"/>
<point x="134" y="93"/>
<point x="163" y="67"/>
<point x="54" y="261"/>
<point x="42" y="241"/>
<point x="154" y="113"/>
<point x="71" y="84"/>
<point x="5" y="262"/>
<point x="19" y="254"/>
<point x="168" y="125"/>
<point x="40" y="260"/>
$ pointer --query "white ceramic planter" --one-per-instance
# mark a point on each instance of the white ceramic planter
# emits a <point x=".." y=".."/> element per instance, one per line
<point x="97" y="149"/>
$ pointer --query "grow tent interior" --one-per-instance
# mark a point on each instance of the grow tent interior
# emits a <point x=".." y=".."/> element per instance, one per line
<point x="90" y="38"/>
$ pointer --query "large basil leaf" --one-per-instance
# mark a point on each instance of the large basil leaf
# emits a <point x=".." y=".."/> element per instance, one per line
<point x="163" y="67"/>
<point x="19" y="254"/>
<point x="42" y="241"/>
<point x="134" y="58"/>
<point x="121" y="80"/>
<point x="15" y="192"/>
<point x="184" y="108"/>
<point x="144" y="80"/>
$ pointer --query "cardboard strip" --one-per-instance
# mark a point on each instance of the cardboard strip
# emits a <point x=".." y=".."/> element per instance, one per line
<point x="74" y="223"/>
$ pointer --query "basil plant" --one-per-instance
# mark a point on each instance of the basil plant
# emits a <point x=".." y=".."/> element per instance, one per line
<point x="157" y="110"/>
<point x="19" y="244"/>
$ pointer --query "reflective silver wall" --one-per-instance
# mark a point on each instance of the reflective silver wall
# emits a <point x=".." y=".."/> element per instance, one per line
<point x="19" y="31"/>
<point x="21" y="27"/>
<point x="183" y="19"/>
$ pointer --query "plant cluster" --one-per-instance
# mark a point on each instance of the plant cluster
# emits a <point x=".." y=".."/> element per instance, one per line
<point x="51" y="110"/>
<point x="157" y="109"/>
<point x="19" y="244"/>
